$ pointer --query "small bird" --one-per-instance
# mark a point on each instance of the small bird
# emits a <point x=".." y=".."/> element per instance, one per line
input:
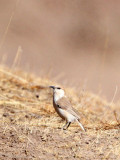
<point x="63" y="107"/>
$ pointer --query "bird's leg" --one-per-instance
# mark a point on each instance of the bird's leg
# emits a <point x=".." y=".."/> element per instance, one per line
<point x="66" y="125"/>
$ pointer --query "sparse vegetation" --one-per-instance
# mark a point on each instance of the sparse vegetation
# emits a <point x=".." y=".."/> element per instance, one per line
<point x="30" y="128"/>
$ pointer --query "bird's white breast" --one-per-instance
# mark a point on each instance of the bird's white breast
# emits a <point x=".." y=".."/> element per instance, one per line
<point x="69" y="117"/>
<point x="58" y="94"/>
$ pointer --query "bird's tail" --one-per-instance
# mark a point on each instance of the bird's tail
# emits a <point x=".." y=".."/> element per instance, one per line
<point x="80" y="125"/>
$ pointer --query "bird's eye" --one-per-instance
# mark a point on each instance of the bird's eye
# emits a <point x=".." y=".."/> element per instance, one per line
<point x="58" y="88"/>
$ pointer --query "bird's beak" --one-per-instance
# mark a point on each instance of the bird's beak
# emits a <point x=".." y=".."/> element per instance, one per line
<point x="52" y="87"/>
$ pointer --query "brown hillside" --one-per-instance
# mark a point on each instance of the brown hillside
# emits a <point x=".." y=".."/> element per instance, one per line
<point x="30" y="128"/>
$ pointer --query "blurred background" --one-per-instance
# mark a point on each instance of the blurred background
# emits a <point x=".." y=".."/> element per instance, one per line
<point x="75" y="42"/>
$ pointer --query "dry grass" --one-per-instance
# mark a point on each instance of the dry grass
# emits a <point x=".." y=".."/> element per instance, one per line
<point x="30" y="126"/>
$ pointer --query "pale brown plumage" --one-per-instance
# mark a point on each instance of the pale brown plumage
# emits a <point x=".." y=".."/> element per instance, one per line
<point x="65" y="104"/>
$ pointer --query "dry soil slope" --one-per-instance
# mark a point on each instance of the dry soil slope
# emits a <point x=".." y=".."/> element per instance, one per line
<point x="30" y="129"/>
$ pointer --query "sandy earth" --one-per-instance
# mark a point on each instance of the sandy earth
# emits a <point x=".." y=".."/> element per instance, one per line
<point x="30" y="128"/>
<point x="18" y="142"/>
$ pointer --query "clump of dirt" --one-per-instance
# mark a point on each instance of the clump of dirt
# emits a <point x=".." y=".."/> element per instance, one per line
<point x="30" y="128"/>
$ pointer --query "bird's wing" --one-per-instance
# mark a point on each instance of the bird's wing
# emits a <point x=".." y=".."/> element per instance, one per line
<point x="65" y="104"/>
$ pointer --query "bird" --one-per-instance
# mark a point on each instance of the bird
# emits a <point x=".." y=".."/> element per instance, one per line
<point x="64" y="108"/>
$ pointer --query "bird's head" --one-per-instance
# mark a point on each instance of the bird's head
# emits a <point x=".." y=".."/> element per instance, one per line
<point x="58" y="92"/>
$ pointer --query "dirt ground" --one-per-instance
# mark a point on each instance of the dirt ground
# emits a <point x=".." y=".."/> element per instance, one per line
<point x="18" y="142"/>
<point x="30" y="128"/>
